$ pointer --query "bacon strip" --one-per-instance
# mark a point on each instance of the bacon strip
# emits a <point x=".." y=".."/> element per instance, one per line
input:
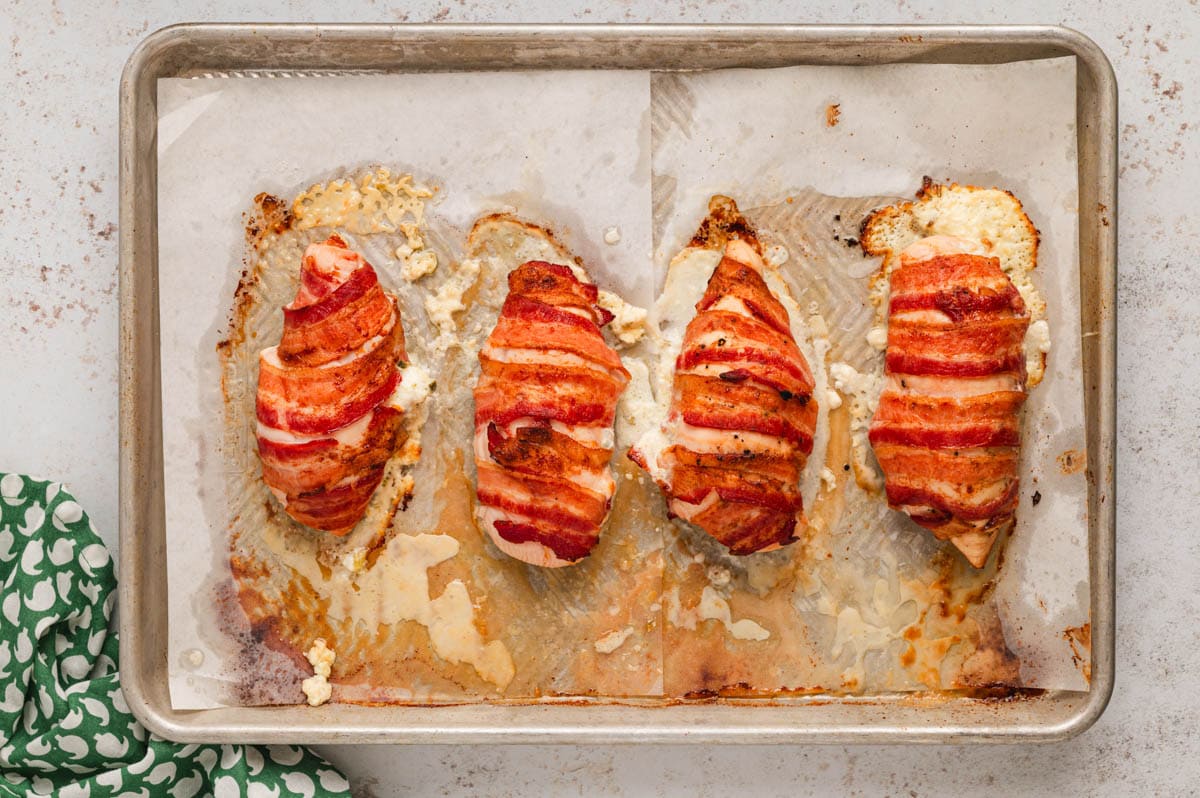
<point x="312" y="466"/>
<point x="742" y="416"/>
<point x="948" y="430"/>
<point x="325" y="428"/>
<point x="547" y="392"/>
<point x="570" y="394"/>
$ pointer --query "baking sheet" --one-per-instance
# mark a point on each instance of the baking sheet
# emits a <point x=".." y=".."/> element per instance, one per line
<point x="571" y="148"/>
<point x="808" y="151"/>
<point x="203" y="192"/>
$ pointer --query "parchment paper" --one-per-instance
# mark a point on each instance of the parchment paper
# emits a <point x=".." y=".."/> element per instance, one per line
<point x="571" y="147"/>
<point x="574" y="149"/>
<point x="765" y="138"/>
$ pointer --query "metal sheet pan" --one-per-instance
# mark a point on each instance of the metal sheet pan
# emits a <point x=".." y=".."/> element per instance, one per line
<point x="194" y="50"/>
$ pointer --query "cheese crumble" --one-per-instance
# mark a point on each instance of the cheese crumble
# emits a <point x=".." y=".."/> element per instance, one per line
<point x="317" y="687"/>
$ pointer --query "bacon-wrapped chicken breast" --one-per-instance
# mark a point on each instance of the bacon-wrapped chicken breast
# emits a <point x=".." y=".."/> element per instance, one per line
<point x="544" y="409"/>
<point x="326" y="428"/>
<point x="947" y="433"/>
<point x="742" y="414"/>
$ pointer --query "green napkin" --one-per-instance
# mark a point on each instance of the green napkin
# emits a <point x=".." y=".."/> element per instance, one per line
<point x="65" y="728"/>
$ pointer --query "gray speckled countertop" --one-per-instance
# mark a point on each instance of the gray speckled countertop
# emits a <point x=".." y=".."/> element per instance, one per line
<point x="58" y="383"/>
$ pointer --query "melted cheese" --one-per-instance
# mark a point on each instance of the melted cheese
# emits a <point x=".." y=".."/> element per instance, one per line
<point x="1037" y="346"/>
<point x="613" y="640"/>
<point x="637" y="412"/>
<point x="863" y="390"/>
<point x="415" y="386"/>
<point x="396" y="589"/>
<point x="687" y="279"/>
<point x="712" y="607"/>
<point x="355" y="559"/>
<point x="651" y="445"/>
<point x="419" y="264"/>
<point x="376" y="202"/>
<point x="776" y="255"/>
<point x="401" y="585"/>
<point x="448" y="300"/>
<point x="629" y="321"/>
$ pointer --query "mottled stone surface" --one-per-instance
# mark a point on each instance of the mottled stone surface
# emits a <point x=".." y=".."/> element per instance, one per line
<point x="58" y="383"/>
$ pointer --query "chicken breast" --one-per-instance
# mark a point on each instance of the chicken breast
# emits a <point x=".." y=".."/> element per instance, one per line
<point x="544" y="410"/>
<point x="742" y="414"/>
<point x="947" y="432"/>
<point x="326" y="427"/>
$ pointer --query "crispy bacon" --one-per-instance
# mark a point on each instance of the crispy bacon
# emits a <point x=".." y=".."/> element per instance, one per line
<point x="555" y="286"/>
<point x="317" y="400"/>
<point x="745" y="282"/>
<point x="962" y="347"/>
<point x="341" y="321"/>
<point x="947" y="432"/>
<point x="742" y="416"/>
<point x="532" y="324"/>
<point x="338" y="508"/>
<point x="567" y="547"/>
<point x="549" y="497"/>
<point x="315" y="464"/>
<point x="570" y="394"/>
<point x="722" y="336"/>
<point x="540" y="450"/>
<point x="548" y="384"/>
<point x="325" y="432"/>
<point x="718" y="403"/>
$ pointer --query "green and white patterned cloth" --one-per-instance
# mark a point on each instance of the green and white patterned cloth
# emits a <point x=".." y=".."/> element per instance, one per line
<point x="65" y="728"/>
